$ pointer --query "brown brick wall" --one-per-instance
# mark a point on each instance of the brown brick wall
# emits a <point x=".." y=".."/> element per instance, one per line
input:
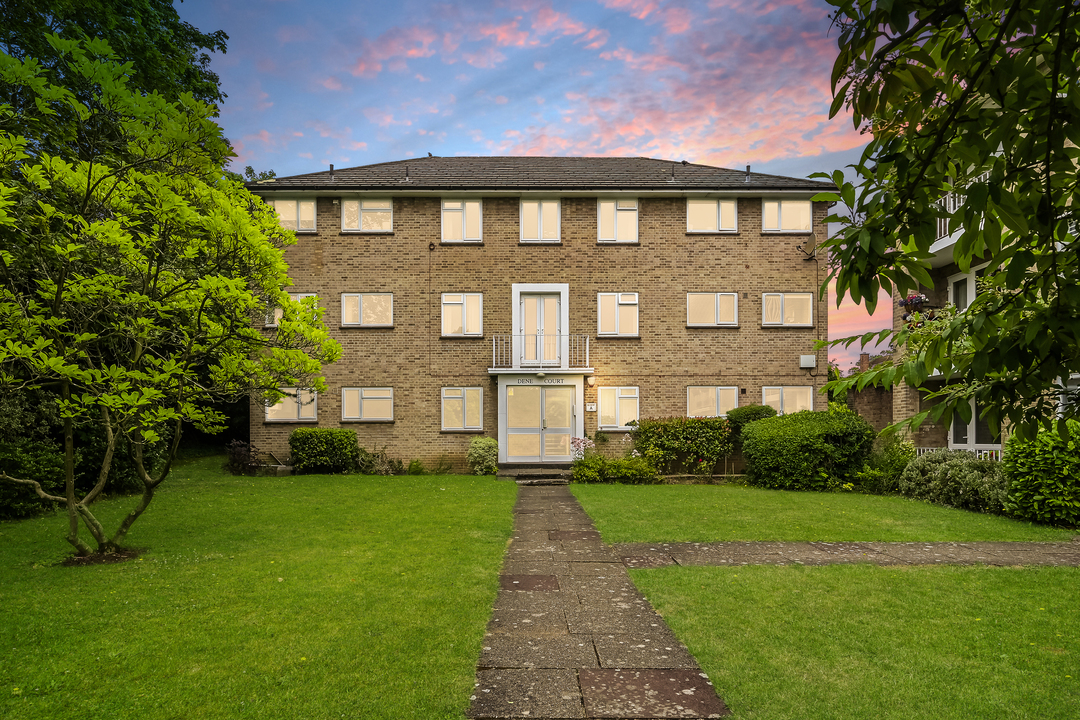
<point x="667" y="263"/>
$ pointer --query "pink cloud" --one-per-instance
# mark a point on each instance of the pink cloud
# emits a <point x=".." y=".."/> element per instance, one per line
<point x="421" y="78"/>
<point x="548" y="20"/>
<point x="396" y="45"/>
<point x="293" y="33"/>
<point x="326" y="130"/>
<point x="595" y="39"/>
<point x="500" y="100"/>
<point x="677" y="20"/>
<point x="506" y="34"/>
<point x="538" y="65"/>
<point x="331" y="83"/>
<point x="638" y="9"/>
<point x="354" y="145"/>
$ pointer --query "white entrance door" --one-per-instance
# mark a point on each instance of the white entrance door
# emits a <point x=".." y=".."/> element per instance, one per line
<point x="539" y="423"/>
<point x="540" y="319"/>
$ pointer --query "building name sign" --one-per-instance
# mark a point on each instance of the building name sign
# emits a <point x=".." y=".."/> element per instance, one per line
<point x="545" y="381"/>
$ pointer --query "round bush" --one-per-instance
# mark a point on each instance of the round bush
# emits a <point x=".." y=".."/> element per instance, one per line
<point x="483" y="456"/>
<point x="1044" y="477"/>
<point x="324" y="450"/>
<point x="739" y="417"/>
<point x="956" y="478"/>
<point x="806" y="450"/>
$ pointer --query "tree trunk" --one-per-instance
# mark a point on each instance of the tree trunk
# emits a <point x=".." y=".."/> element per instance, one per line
<point x="81" y="548"/>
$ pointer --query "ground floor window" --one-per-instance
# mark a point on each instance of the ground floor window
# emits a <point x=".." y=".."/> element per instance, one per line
<point x="372" y="404"/>
<point x="788" y="398"/>
<point x="618" y="407"/>
<point x="298" y="405"/>
<point x="974" y="435"/>
<point x="462" y="408"/>
<point x="710" y="400"/>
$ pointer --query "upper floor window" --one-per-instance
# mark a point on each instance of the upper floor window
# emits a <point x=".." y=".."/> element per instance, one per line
<point x="298" y="215"/>
<point x="274" y="316"/>
<point x="785" y="215"/>
<point x="710" y="400"/>
<point x="788" y="399"/>
<point x="367" y="309"/>
<point x="461" y="221"/>
<point x="618" y="314"/>
<point x="787" y="309"/>
<point x="370" y="403"/>
<point x="462" y="314"/>
<point x="711" y="309"/>
<point x="462" y="408"/>
<point x="298" y="405"/>
<point x="617" y="220"/>
<point x="964" y="287"/>
<point x="540" y="221"/>
<point x="618" y="407"/>
<point x="710" y="215"/>
<point x="367" y="215"/>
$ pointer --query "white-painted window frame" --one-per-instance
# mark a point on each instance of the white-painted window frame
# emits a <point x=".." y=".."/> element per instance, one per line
<point x="734" y="322"/>
<point x="783" y="301"/>
<point x="619" y="303"/>
<point x="360" y="214"/>
<point x="360" y="309"/>
<point x="631" y="391"/>
<point x="780" y="215"/>
<point x="273" y="202"/>
<point x="971" y="277"/>
<point x="716" y="399"/>
<point x="463" y="400"/>
<point x="299" y="397"/>
<point x="457" y="216"/>
<point x="783" y="395"/>
<point x="621" y="216"/>
<point x="274" y="313"/>
<point x="722" y="225"/>
<point x="378" y="393"/>
<point x="466" y="332"/>
<point x="540" y="240"/>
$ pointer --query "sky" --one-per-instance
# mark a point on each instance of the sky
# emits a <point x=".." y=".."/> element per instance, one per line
<point x="721" y="82"/>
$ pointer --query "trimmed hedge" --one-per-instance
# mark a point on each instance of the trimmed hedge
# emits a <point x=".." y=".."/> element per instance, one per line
<point x="483" y="456"/>
<point x="739" y="417"/>
<point x="888" y="459"/>
<point x="33" y="460"/>
<point x="595" y="468"/>
<point x="324" y="450"/>
<point x="806" y="450"/>
<point x="695" y="443"/>
<point x="1044" y="477"/>
<point x="956" y="478"/>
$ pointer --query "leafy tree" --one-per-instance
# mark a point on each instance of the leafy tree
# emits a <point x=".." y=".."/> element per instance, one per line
<point x="132" y="271"/>
<point x="979" y="98"/>
<point x="165" y="52"/>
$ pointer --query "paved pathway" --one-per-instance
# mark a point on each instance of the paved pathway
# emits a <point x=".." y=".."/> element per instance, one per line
<point x="571" y="637"/>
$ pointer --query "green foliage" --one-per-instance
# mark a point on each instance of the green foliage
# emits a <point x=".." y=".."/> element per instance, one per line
<point x="956" y="478"/>
<point x="38" y="460"/>
<point x="697" y="444"/>
<point x="807" y="450"/>
<point x="483" y="455"/>
<point x="1044" y="477"/>
<point x="980" y="99"/>
<point x="324" y="450"/>
<point x="416" y="467"/>
<point x="595" y="468"/>
<point x="891" y="453"/>
<point x="377" y="462"/>
<point x="243" y="458"/>
<point x="738" y="418"/>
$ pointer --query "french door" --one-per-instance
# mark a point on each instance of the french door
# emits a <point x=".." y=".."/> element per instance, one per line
<point x="539" y="423"/>
<point x="540" y="331"/>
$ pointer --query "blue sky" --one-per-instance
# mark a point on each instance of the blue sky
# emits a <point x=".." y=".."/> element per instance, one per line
<point x="722" y="82"/>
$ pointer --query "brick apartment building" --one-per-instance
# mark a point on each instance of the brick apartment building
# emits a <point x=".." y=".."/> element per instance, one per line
<point x="535" y="299"/>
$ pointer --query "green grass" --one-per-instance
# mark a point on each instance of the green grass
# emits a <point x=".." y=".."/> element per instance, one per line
<point x="708" y="513"/>
<point x="298" y="597"/>
<point x="857" y="641"/>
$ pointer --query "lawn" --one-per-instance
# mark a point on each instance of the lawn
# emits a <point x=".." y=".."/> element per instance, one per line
<point x="849" y="642"/>
<point x="709" y="513"/>
<point x="297" y="597"/>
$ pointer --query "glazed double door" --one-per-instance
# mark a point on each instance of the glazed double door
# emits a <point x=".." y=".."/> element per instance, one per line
<point x="539" y="423"/>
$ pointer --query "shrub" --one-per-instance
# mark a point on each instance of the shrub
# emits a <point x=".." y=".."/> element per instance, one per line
<point x="595" y="468"/>
<point x="1044" y="477"/>
<point x="739" y="417"/>
<point x="242" y="458"/>
<point x="38" y="460"/>
<point x="377" y="462"/>
<point x="807" y="450"/>
<point x="416" y="467"/>
<point x="324" y="450"/>
<point x="956" y="478"/>
<point x="695" y="443"/>
<point x="891" y="453"/>
<point x="483" y="456"/>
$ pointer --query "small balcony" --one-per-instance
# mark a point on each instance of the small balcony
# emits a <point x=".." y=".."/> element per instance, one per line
<point x="530" y="352"/>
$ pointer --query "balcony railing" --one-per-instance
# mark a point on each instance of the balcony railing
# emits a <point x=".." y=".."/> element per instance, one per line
<point x="980" y="453"/>
<point x="951" y="202"/>
<point x="540" y="351"/>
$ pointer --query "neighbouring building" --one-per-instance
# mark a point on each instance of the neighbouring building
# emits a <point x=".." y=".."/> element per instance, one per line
<point x="535" y="299"/>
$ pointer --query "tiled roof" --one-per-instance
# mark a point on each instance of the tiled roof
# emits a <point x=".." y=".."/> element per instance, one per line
<point x="538" y="173"/>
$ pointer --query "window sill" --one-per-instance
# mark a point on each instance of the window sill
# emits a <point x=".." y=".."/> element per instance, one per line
<point x="734" y="326"/>
<point x="618" y="242"/>
<point x="461" y="432"/>
<point x="290" y="422"/>
<point x="367" y="422"/>
<point x="542" y="243"/>
<point x="789" y="327"/>
<point x="617" y="337"/>
<point x="787" y="232"/>
<point x="622" y="429"/>
<point x="693" y="233"/>
<point x="366" y="232"/>
<point x="461" y="337"/>
<point x="366" y="327"/>
<point x="459" y="243"/>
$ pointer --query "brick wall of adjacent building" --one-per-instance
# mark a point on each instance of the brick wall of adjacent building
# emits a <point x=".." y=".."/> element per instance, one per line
<point x="662" y="267"/>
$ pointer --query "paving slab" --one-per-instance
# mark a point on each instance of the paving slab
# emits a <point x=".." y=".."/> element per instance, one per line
<point x="528" y="623"/>
<point x="549" y="652"/>
<point x="647" y="561"/>
<point x="538" y="601"/>
<point x="574" y="535"/>
<point x="657" y="650"/>
<point x="529" y="583"/>
<point x="594" y="620"/>
<point x="649" y="693"/>
<point x="526" y="694"/>
<point x="591" y="568"/>
<point x="525" y="567"/>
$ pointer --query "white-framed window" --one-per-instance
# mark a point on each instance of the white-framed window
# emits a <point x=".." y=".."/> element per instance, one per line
<point x="298" y="405"/>
<point x="786" y="215"/>
<point x="712" y="309"/>
<point x="372" y="215"/>
<point x="617" y="220"/>
<point x="617" y="314"/>
<point x="963" y="287"/>
<point x="788" y="398"/>
<point x="710" y="400"/>
<point x="462" y="221"/>
<point x="462" y="408"/>
<point x="540" y="221"/>
<point x="974" y="435"/>
<point x="787" y="309"/>
<point x="296" y="214"/>
<point x="462" y="314"/>
<point x="710" y="215"/>
<point x="274" y="314"/>
<point x="367" y="309"/>
<point x="370" y="404"/>
<point x="618" y="407"/>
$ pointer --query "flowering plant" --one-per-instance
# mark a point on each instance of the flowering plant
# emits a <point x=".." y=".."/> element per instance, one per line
<point x="579" y="446"/>
<point x="914" y="300"/>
